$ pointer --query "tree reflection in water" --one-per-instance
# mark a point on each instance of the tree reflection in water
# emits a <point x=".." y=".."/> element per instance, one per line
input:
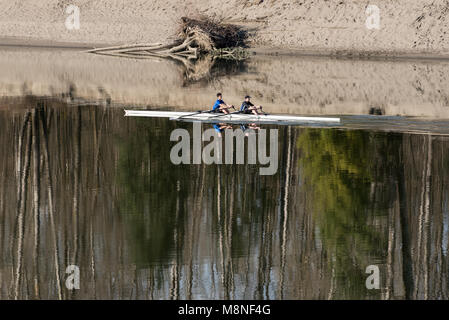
<point x="86" y="186"/>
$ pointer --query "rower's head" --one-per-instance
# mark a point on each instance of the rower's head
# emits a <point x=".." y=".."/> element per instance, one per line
<point x="247" y="98"/>
<point x="219" y="96"/>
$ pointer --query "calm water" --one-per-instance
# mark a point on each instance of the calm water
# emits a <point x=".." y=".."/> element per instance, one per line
<point x="85" y="186"/>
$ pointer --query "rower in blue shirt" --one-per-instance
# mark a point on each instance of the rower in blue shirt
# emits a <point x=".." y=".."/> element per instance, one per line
<point x="220" y="105"/>
<point x="220" y="127"/>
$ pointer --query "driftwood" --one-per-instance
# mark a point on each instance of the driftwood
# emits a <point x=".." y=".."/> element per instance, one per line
<point x="200" y="43"/>
<point x="150" y="51"/>
<point x="215" y="34"/>
<point x="197" y="38"/>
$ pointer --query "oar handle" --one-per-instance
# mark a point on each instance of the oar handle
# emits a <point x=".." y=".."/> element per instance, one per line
<point x="192" y="114"/>
<point x="225" y="114"/>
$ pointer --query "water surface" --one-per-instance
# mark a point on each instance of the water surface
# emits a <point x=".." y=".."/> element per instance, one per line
<point x="84" y="185"/>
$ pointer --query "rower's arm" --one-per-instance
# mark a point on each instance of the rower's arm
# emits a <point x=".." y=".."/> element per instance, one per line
<point x="227" y="105"/>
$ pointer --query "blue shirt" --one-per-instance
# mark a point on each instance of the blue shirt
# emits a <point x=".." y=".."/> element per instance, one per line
<point x="217" y="128"/>
<point x="217" y="104"/>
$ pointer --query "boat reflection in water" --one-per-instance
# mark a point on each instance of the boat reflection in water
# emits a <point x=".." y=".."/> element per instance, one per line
<point x="85" y="186"/>
<point x="245" y="127"/>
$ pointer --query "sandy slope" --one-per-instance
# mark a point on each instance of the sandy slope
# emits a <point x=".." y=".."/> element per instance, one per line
<point x="407" y="26"/>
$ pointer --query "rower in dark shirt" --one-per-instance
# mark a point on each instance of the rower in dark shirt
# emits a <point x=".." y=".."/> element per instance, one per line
<point x="248" y="126"/>
<point x="248" y="107"/>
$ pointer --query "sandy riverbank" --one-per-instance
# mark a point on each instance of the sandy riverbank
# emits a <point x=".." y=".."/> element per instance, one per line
<point x="333" y="27"/>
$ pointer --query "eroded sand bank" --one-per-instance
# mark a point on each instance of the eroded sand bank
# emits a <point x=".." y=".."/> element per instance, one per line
<point x="332" y="26"/>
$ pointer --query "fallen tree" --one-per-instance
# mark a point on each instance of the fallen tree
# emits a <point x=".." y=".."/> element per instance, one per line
<point x="197" y="37"/>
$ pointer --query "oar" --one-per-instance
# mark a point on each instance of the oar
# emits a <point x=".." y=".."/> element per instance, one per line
<point x="225" y="114"/>
<point x="263" y="112"/>
<point x="192" y="114"/>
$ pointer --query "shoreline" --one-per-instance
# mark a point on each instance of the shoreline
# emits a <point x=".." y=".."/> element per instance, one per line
<point x="32" y="43"/>
<point x="355" y="55"/>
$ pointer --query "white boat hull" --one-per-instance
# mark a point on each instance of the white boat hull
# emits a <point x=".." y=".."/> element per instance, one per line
<point x="238" y="117"/>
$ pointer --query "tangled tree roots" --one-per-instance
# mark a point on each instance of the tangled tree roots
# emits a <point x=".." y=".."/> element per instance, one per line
<point x="200" y="43"/>
<point x="197" y="38"/>
<point x="213" y="35"/>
